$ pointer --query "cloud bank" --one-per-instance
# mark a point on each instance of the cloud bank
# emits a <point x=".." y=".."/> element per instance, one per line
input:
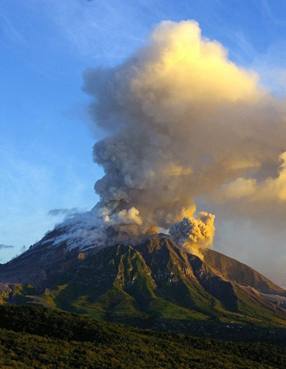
<point x="64" y="211"/>
<point x="2" y="246"/>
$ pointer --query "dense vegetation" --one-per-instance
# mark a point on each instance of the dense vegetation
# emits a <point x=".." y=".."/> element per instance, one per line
<point x="33" y="337"/>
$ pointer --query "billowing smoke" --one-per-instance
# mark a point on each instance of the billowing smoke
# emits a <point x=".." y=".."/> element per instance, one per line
<point x="194" y="234"/>
<point x="181" y="121"/>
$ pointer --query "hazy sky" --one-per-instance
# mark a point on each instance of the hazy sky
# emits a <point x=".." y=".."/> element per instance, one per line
<point x="46" y="134"/>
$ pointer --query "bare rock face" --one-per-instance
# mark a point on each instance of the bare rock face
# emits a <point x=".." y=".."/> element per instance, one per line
<point x="240" y="273"/>
<point x="153" y="281"/>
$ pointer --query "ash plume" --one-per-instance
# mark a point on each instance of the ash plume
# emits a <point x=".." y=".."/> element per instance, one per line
<point x="194" y="234"/>
<point x="181" y="121"/>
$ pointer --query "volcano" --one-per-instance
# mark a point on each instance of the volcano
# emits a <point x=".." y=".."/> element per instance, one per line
<point x="152" y="283"/>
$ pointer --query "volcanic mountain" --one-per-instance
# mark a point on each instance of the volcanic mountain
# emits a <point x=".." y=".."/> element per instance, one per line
<point x="153" y="283"/>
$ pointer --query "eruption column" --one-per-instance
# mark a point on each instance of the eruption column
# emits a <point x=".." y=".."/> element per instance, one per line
<point x="181" y="121"/>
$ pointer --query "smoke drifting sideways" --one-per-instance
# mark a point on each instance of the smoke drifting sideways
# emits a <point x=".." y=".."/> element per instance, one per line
<point x="181" y="121"/>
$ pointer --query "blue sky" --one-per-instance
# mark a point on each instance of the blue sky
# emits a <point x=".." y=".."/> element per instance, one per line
<point x="46" y="134"/>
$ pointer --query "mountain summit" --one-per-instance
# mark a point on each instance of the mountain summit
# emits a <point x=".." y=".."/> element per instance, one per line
<point x="152" y="284"/>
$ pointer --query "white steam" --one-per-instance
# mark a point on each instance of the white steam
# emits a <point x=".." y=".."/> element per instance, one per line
<point x="181" y="121"/>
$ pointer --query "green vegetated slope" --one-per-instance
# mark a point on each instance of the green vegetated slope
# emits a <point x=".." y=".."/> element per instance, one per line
<point x="157" y="285"/>
<point x="44" y="338"/>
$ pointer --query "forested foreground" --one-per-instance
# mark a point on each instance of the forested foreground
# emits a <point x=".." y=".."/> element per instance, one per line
<point x="43" y="338"/>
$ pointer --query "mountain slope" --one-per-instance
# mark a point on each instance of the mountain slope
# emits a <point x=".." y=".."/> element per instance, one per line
<point x="239" y="272"/>
<point x="153" y="284"/>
